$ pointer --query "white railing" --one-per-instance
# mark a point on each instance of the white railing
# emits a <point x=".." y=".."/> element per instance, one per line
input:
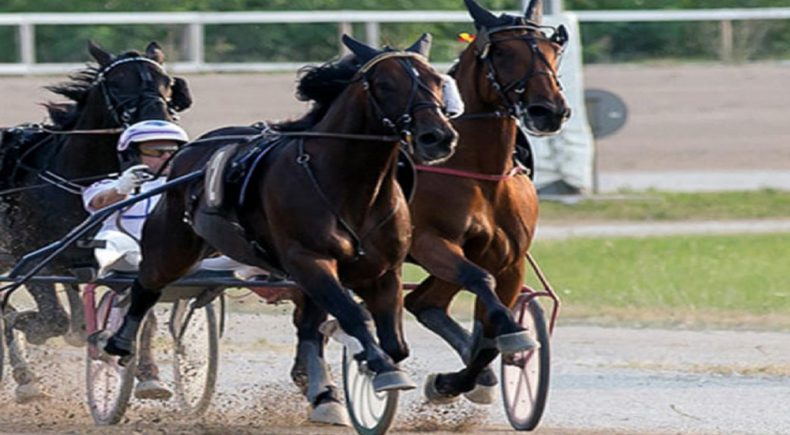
<point x="194" y="25"/>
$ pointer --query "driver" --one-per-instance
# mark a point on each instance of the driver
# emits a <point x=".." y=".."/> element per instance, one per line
<point x="145" y="149"/>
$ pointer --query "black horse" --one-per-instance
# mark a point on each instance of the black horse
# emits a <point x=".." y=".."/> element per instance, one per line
<point x="77" y="149"/>
<point x="319" y="202"/>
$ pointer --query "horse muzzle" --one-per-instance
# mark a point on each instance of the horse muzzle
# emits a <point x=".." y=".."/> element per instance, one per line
<point x="434" y="145"/>
<point x="545" y="118"/>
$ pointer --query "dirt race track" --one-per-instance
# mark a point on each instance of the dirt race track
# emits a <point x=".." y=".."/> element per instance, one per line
<point x="605" y="380"/>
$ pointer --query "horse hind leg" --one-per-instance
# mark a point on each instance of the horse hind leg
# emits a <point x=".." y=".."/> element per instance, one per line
<point x="429" y="302"/>
<point x="49" y="320"/>
<point x="28" y="388"/>
<point x="310" y="371"/>
<point x="163" y="263"/>
<point x="149" y="386"/>
<point x="76" y="335"/>
<point x="446" y="260"/>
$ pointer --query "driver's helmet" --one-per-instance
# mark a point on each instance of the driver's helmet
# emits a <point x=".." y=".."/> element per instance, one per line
<point x="151" y="130"/>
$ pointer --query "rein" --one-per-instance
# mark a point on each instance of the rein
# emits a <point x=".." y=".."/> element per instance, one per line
<point x="41" y="128"/>
<point x="516" y="170"/>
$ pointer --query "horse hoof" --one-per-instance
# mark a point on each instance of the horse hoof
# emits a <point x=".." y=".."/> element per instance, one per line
<point x="433" y="395"/>
<point x="26" y="393"/>
<point x="118" y="346"/>
<point x="482" y="394"/>
<point x="330" y="412"/>
<point x="75" y="339"/>
<point x="516" y="342"/>
<point x="394" y="380"/>
<point x="152" y="389"/>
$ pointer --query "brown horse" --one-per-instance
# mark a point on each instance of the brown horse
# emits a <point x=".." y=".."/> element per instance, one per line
<point x="473" y="232"/>
<point x="475" y="216"/>
<point x="320" y="204"/>
<point x="79" y="148"/>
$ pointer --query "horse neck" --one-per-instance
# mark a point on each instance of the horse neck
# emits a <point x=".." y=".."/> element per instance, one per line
<point x="362" y="167"/>
<point x="84" y="155"/>
<point x="485" y="145"/>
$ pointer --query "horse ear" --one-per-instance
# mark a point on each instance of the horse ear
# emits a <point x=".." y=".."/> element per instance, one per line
<point x="181" y="98"/>
<point x="362" y="51"/>
<point x="534" y="11"/>
<point x="422" y="46"/>
<point x="154" y="52"/>
<point x="102" y="57"/>
<point x="481" y="16"/>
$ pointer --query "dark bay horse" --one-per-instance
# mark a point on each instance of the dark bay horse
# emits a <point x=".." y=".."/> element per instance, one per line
<point x="475" y="218"/>
<point x="79" y="148"/>
<point x="318" y="202"/>
<point x="475" y="215"/>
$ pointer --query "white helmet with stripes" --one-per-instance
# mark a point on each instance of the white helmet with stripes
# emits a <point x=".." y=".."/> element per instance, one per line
<point x="151" y="130"/>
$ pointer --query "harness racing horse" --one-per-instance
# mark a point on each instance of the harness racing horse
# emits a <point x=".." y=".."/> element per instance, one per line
<point x="475" y="214"/>
<point x="78" y="149"/>
<point x="317" y="202"/>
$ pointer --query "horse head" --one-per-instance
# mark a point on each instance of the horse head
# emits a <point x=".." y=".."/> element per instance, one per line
<point x="405" y="95"/>
<point x="134" y="87"/>
<point x="518" y="66"/>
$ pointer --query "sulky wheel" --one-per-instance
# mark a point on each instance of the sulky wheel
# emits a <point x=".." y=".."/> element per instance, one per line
<point x="371" y="412"/>
<point x="525" y="375"/>
<point x="109" y="385"/>
<point x="195" y="332"/>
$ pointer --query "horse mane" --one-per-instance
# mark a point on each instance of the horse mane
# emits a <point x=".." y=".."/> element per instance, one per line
<point x="65" y="114"/>
<point x="320" y="84"/>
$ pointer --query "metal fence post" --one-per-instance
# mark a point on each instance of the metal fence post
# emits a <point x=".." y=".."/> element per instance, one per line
<point x="27" y="45"/>
<point x="726" y="52"/>
<point x="197" y="42"/>
<point x="372" y="33"/>
<point x="344" y="27"/>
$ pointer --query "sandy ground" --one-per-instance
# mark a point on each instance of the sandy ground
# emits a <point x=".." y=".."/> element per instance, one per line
<point x="604" y="380"/>
<point x="681" y="118"/>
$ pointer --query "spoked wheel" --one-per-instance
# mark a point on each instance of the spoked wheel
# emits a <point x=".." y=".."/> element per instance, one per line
<point x="109" y="385"/>
<point x="2" y="344"/>
<point x="371" y="412"/>
<point x="525" y="375"/>
<point x="195" y="335"/>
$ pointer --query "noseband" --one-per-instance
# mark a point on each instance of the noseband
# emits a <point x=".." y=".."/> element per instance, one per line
<point x="119" y="106"/>
<point x="403" y="123"/>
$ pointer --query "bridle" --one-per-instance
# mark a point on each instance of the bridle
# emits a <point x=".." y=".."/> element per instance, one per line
<point x="483" y="42"/>
<point x="402" y="125"/>
<point x="124" y="108"/>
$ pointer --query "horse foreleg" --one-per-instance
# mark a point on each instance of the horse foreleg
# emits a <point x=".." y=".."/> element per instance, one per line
<point x="318" y="277"/>
<point x="385" y="302"/>
<point x="310" y="371"/>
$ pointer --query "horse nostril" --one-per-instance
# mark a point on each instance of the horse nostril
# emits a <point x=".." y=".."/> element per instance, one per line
<point x="538" y="111"/>
<point x="430" y="138"/>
